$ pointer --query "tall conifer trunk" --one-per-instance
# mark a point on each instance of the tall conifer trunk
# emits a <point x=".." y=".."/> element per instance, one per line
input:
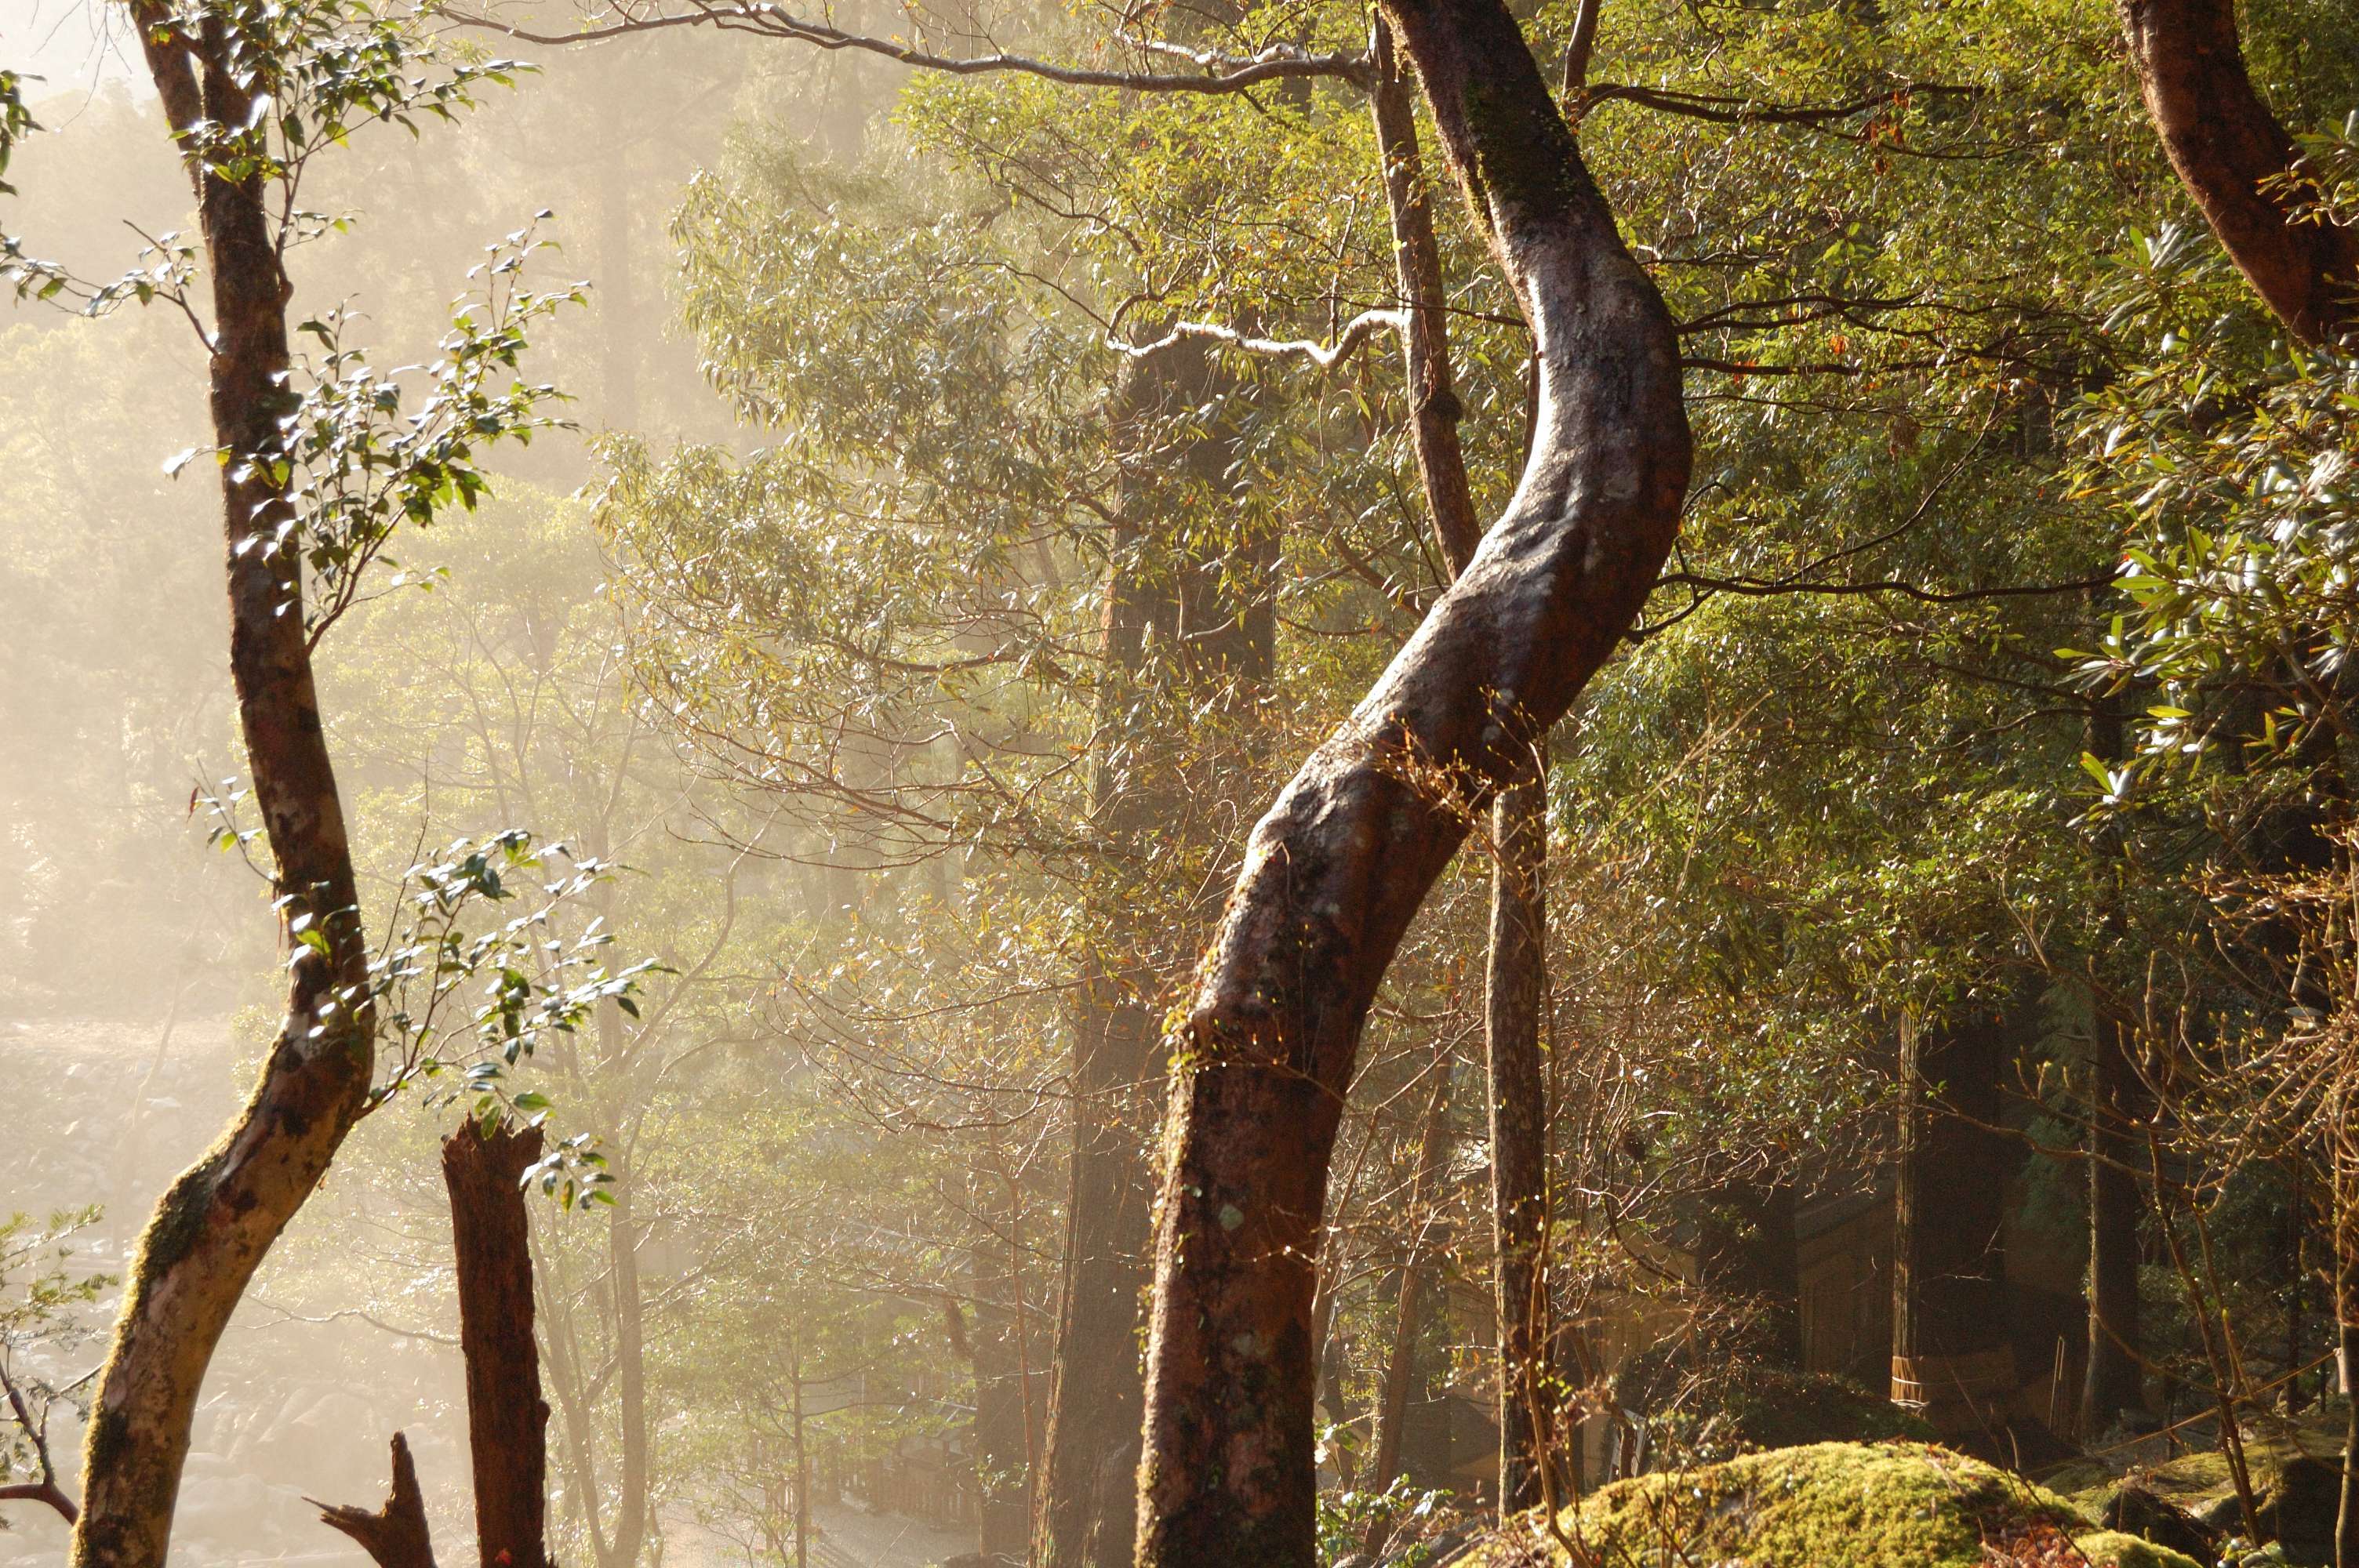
<point x="1951" y="1350"/>
<point x="1187" y="630"/>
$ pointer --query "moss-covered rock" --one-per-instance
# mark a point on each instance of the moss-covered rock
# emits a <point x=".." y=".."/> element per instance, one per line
<point x="1895" y="1505"/>
<point x="2111" y="1548"/>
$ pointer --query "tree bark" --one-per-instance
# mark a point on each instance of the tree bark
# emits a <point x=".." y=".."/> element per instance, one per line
<point x="2224" y="142"/>
<point x="211" y="1230"/>
<point x="2115" y="1381"/>
<point x="507" y="1421"/>
<point x="1181" y="624"/>
<point x="636" y="1481"/>
<point x="1002" y="1400"/>
<point x="1951" y="1351"/>
<point x="395" y="1536"/>
<point x="1337" y="868"/>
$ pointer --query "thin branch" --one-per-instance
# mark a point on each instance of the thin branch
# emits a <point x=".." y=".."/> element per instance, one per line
<point x="1326" y="356"/>
<point x="1729" y="111"/>
<point x="1576" y="53"/>
<point x="1223" y="73"/>
<point x="46" y="1489"/>
<point x="1766" y="588"/>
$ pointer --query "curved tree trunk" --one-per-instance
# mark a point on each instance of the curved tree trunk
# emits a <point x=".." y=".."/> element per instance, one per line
<point x="210" y="1232"/>
<point x="2224" y="143"/>
<point x="1517" y="973"/>
<point x="1336" y="870"/>
<point x="507" y="1421"/>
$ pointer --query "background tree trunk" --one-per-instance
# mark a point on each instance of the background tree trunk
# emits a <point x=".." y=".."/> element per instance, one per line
<point x="1520" y="1124"/>
<point x="507" y="1421"/>
<point x="1185" y="623"/>
<point x="2115" y="1381"/>
<point x="1399" y="1378"/>
<point x="2344" y="1152"/>
<point x="213" y="1226"/>
<point x="1951" y="1351"/>
<point x="1337" y="868"/>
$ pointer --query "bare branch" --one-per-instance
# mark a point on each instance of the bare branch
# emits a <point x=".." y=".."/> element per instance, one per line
<point x="1221" y="73"/>
<point x="1326" y="356"/>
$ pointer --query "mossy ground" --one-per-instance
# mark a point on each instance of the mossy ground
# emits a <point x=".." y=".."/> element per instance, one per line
<point x="1831" y="1505"/>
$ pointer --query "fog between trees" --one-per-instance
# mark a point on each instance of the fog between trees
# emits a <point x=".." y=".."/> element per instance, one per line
<point x="1787" y="570"/>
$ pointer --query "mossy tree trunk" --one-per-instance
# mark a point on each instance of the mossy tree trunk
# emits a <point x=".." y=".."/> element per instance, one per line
<point x="1338" y="867"/>
<point x="211" y="1230"/>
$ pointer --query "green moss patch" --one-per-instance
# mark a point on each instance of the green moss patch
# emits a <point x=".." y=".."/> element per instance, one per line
<point x="1892" y="1505"/>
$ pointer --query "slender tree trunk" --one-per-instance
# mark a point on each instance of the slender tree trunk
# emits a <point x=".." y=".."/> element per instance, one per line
<point x="1001" y="1439"/>
<point x="1433" y="406"/>
<point x="1410" y="1285"/>
<point x="1337" y="868"/>
<point x="569" y="1382"/>
<point x="802" y="1470"/>
<point x="1519" y="1126"/>
<point x="2115" y="1381"/>
<point x="2344" y="1150"/>
<point x="219" y="1218"/>
<point x="507" y="1421"/>
<point x="635" y="1480"/>
<point x="2227" y="147"/>
<point x="1950" y="1352"/>
<point x="2297" y="1292"/>
<point x="395" y="1536"/>
<point x="1518" y="970"/>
